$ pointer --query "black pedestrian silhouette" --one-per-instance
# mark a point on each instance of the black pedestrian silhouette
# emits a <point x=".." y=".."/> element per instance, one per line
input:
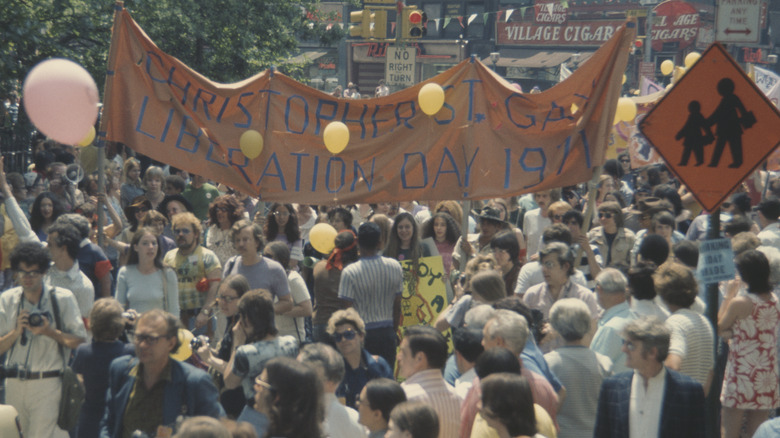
<point x="695" y="134"/>
<point x="730" y="116"/>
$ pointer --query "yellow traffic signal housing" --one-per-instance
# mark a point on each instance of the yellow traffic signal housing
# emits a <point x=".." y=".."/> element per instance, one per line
<point x="379" y="28"/>
<point x="361" y="23"/>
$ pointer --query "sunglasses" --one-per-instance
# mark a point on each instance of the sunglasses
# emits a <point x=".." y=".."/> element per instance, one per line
<point x="348" y="335"/>
<point x="558" y="217"/>
<point x="605" y="215"/>
<point x="182" y="231"/>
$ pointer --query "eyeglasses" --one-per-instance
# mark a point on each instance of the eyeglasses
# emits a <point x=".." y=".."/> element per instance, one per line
<point x="182" y="231"/>
<point x="149" y="339"/>
<point x="222" y="209"/>
<point x="226" y="298"/>
<point x="549" y="264"/>
<point x="605" y="215"/>
<point x="281" y="213"/>
<point x="558" y="217"/>
<point x="28" y="274"/>
<point x="726" y="205"/>
<point x="264" y="385"/>
<point x="625" y="161"/>
<point x="348" y="335"/>
<point x="630" y="345"/>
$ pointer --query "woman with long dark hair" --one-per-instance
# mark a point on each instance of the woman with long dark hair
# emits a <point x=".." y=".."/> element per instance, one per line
<point x="231" y="289"/>
<point x="445" y="233"/>
<point x="282" y="225"/>
<point x="45" y="210"/>
<point x="508" y="405"/>
<point x="288" y="401"/>
<point x="404" y="240"/>
<point x="506" y="250"/>
<point x="327" y="276"/>
<point x="144" y="283"/>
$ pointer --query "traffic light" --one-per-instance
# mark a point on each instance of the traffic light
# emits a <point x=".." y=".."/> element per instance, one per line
<point x="361" y="23"/>
<point x="413" y="23"/>
<point x="379" y="29"/>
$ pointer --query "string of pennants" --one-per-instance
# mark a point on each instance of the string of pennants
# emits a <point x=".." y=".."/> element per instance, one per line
<point x="506" y="14"/>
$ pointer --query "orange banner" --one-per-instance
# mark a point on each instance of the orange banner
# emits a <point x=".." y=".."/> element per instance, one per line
<point x="488" y="139"/>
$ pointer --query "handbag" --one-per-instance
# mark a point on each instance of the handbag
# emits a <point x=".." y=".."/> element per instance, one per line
<point x="72" y="395"/>
<point x="748" y="119"/>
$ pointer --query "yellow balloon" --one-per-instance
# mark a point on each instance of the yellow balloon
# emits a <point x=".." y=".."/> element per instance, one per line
<point x="691" y="59"/>
<point x="323" y="237"/>
<point x="666" y="67"/>
<point x="336" y="137"/>
<point x="251" y="143"/>
<point x="431" y="98"/>
<point x="89" y="138"/>
<point x="185" y="351"/>
<point x="626" y="109"/>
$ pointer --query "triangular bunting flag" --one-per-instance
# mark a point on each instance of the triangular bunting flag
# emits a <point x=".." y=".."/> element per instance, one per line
<point x="447" y="21"/>
<point x="472" y="17"/>
<point x="460" y="20"/>
<point x="509" y="14"/>
<point x="485" y="17"/>
<point x="436" y="23"/>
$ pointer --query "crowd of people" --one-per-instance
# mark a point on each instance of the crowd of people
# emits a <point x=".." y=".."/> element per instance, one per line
<point x="198" y="307"/>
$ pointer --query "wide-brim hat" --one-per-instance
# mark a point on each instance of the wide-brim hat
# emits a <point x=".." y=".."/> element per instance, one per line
<point x="492" y="214"/>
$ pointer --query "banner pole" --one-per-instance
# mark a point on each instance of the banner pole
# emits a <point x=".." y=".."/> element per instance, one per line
<point x="592" y="192"/>
<point x="101" y="146"/>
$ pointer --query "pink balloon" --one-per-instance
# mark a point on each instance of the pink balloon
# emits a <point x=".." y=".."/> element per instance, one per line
<point x="61" y="99"/>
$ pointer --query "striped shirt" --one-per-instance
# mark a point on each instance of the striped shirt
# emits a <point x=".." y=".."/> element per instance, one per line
<point x="429" y="386"/>
<point x="693" y="340"/>
<point x="371" y="284"/>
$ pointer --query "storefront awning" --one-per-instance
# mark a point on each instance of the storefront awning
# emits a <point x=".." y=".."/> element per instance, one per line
<point x="308" y="56"/>
<point x="528" y="58"/>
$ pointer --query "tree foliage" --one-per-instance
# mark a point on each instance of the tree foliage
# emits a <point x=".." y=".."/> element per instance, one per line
<point x="225" y="40"/>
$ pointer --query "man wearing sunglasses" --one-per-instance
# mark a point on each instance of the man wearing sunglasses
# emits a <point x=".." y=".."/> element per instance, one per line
<point x="32" y="338"/>
<point x="152" y="389"/>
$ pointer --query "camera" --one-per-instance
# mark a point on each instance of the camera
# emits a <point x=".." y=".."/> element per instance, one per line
<point x="198" y="342"/>
<point x="13" y="370"/>
<point x="35" y="319"/>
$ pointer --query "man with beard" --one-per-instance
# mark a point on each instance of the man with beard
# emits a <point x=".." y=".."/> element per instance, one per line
<point x="197" y="268"/>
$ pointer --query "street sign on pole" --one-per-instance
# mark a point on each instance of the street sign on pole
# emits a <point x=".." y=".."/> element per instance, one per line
<point x="400" y="65"/>
<point x="713" y="106"/>
<point x="738" y="21"/>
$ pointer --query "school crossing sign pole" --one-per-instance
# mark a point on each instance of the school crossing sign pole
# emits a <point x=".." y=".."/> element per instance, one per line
<point x="714" y="127"/>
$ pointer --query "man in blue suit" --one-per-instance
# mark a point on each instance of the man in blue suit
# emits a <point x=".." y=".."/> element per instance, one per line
<point x="652" y="400"/>
<point x="153" y="390"/>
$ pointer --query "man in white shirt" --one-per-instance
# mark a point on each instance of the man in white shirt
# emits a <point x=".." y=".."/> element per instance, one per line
<point x="611" y="293"/>
<point x="536" y="220"/>
<point x="340" y="421"/>
<point x="651" y="400"/>
<point x="768" y="212"/>
<point x="63" y="243"/>
<point x="421" y="358"/>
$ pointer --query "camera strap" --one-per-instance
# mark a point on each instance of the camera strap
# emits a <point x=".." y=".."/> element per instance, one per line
<point x="58" y="324"/>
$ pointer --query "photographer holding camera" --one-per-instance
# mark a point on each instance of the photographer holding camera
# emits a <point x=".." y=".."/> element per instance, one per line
<point x="30" y="334"/>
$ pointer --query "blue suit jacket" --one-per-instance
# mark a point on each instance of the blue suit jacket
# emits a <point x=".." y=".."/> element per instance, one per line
<point x="190" y="392"/>
<point x="682" y="409"/>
